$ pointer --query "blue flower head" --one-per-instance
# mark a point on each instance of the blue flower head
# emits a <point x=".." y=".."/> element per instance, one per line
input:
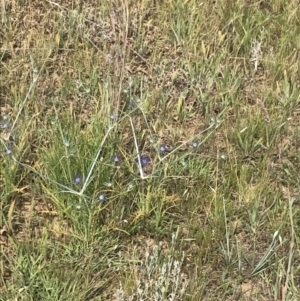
<point x="113" y="117"/>
<point x="77" y="179"/>
<point x="145" y="160"/>
<point x="195" y="144"/>
<point x="5" y="126"/>
<point x="67" y="142"/>
<point x="116" y="158"/>
<point x="7" y="151"/>
<point x="163" y="148"/>
<point x="102" y="197"/>
<point x="130" y="105"/>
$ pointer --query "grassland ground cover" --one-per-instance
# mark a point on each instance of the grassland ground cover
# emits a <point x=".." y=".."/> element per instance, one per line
<point x="149" y="150"/>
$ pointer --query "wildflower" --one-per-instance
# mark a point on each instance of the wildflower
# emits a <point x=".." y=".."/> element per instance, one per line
<point x="67" y="142"/>
<point x="195" y="144"/>
<point x="7" y="151"/>
<point x="113" y="117"/>
<point x="130" y="105"/>
<point x="223" y="157"/>
<point x="116" y="158"/>
<point x="5" y="126"/>
<point x="163" y="148"/>
<point x="102" y="197"/>
<point x="77" y="179"/>
<point x="145" y="160"/>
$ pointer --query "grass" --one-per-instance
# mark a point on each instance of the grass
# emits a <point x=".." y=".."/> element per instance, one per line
<point x="149" y="151"/>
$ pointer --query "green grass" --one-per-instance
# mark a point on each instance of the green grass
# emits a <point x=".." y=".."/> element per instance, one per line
<point x="81" y="84"/>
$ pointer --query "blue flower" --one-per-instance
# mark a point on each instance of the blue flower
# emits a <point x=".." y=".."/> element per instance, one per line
<point x="130" y="105"/>
<point x="163" y="148"/>
<point x="7" y="151"/>
<point x="116" y="158"/>
<point x="223" y="157"/>
<point x="102" y="197"/>
<point x="67" y="142"/>
<point x="195" y="144"/>
<point x="77" y="179"/>
<point x="145" y="160"/>
<point x="113" y="117"/>
<point x="5" y="126"/>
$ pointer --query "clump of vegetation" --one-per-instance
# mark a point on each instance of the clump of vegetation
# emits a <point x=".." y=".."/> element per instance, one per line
<point x="122" y="123"/>
<point x="156" y="278"/>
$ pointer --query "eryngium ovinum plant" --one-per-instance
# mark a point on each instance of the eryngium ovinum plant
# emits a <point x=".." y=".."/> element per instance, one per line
<point x="159" y="277"/>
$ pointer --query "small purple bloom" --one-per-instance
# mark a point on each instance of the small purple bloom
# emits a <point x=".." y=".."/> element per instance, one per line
<point x="163" y="148"/>
<point x="116" y="158"/>
<point x="77" y="179"/>
<point x="145" y="160"/>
